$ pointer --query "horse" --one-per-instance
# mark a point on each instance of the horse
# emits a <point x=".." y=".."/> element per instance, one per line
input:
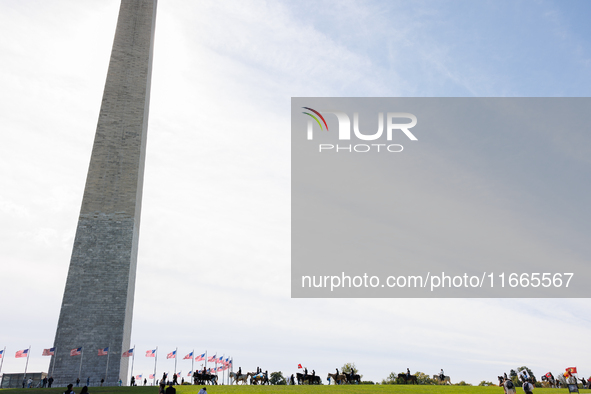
<point x="337" y="379"/>
<point x="311" y="379"/>
<point x="412" y="378"/>
<point x="354" y="378"/>
<point x="445" y="380"/>
<point x="242" y="378"/>
<point x="259" y="378"/>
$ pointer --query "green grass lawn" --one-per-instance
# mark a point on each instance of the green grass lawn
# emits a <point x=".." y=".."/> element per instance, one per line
<point x="352" y="389"/>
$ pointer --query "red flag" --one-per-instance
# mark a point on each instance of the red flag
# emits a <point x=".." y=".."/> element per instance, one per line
<point x="76" y="352"/>
<point x="22" y="353"/>
<point x="299" y="366"/>
<point x="571" y="370"/>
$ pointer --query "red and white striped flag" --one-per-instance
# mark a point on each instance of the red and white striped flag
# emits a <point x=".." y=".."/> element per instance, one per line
<point x="188" y="356"/>
<point x="128" y="353"/>
<point x="171" y="354"/>
<point x="48" y="352"/>
<point x="76" y="352"/>
<point x="103" y="352"/>
<point x="151" y="353"/>
<point x="22" y="353"/>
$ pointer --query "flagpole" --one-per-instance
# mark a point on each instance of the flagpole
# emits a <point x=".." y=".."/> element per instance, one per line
<point x="176" y="351"/>
<point x="81" y="356"/>
<point x="53" y="358"/>
<point x="27" y="364"/>
<point x="107" y="369"/>
<point x="132" y="360"/>
<point x="2" y="361"/>
<point x="206" y="361"/>
<point x="192" y="362"/>
<point x="155" y="359"/>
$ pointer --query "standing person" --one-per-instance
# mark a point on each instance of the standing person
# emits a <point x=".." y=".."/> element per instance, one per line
<point x="77" y="382"/>
<point x="24" y="381"/>
<point x="528" y="387"/>
<point x="292" y="380"/>
<point x="102" y="381"/>
<point x="170" y="389"/>
<point x="162" y="386"/>
<point x="145" y="381"/>
<point x="44" y="382"/>
<point x="29" y="383"/>
<point x="174" y="380"/>
<point x="164" y="377"/>
<point x="49" y="382"/>
<point x="69" y="389"/>
<point x="132" y="381"/>
<point x="88" y="381"/>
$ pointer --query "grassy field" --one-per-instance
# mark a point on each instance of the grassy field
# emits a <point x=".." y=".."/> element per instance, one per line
<point x="353" y="389"/>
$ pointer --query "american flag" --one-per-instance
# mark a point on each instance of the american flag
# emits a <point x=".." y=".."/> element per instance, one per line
<point x="151" y="376"/>
<point x="178" y="375"/>
<point x="220" y="369"/>
<point x="151" y="353"/>
<point x="76" y="352"/>
<point x="49" y="352"/>
<point x="190" y="373"/>
<point x="1" y="353"/>
<point x="171" y="354"/>
<point x="103" y="352"/>
<point x="226" y="367"/>
<point x="227" y="361"/>
<point x="200" y="357"/>
<point x="22" y="353"/>
<point x="220" y="360"/>
<point x="128" y="353"/>
<point x="138" y="377"/>
<point x="188" y="356"/>
<point x="211" y="359"/>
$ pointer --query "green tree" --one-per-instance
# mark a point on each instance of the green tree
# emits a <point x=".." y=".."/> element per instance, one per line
<point x="391" y="379"/>
<point x="423" y="378"/>
<point x="277" y="378"/>
<point x="485" y="383"/>
<point x="348" y="367"/>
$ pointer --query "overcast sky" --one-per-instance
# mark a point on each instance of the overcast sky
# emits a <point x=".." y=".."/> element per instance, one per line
<point x="214" y="258"/>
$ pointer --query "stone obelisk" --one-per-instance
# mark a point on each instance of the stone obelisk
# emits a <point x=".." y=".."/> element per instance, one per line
<point x="97" y="306"/>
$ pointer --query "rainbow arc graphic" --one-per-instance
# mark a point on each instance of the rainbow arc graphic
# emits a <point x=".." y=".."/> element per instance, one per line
<point x="315" y="118"/>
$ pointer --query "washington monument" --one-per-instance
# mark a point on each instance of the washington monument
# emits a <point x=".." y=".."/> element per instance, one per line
<point x="97" y="307"/>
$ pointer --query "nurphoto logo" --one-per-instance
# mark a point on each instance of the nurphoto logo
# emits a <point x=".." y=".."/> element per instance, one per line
<point x="344" y="131"/>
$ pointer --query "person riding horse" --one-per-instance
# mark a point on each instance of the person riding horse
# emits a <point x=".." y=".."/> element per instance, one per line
<point x="238" y="374"/>
<point x="441" y="375"/>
